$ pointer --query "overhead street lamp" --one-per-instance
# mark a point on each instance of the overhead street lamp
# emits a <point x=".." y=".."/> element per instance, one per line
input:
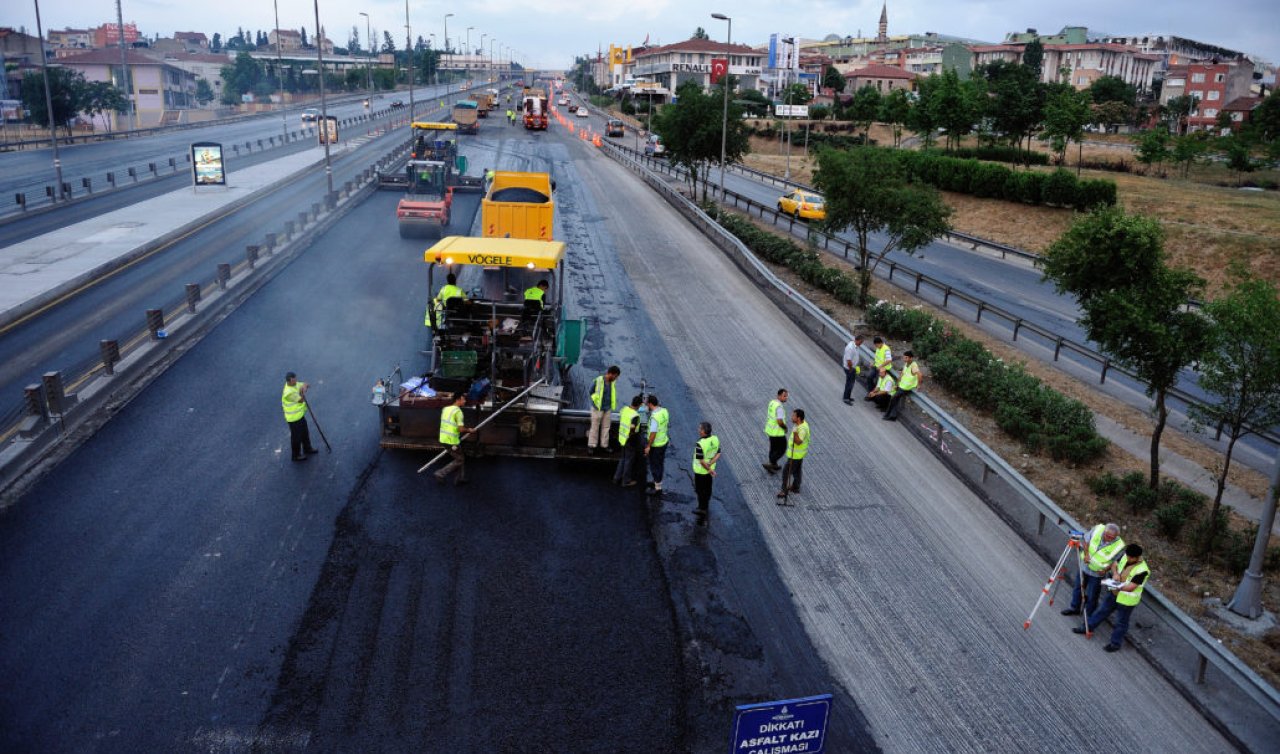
<point x="482" y="36"/>
<point x="447" y="16"/>
<point x="48" y="103"/>
<point x="724" y="118"/>
<point x="413" y="57"/>
<point x="368" y="35"/>
<point x="324" y="110"/>
<point x="284" y="115"/>
<point x="466" y="50"/>
<point x="790" y="43"/>
<point x="124" y="68"/>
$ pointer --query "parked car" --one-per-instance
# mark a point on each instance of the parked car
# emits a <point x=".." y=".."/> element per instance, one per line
<point x="397" y="104"/>
<point x="310" y="115"/>
<point x="803" y="205"/>
<point x="653" y="146"/>
<point x="582" y="113"/>
<point x="614" y="128"/>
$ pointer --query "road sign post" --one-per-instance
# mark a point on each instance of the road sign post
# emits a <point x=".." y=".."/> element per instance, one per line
<point x="794" y="726"/>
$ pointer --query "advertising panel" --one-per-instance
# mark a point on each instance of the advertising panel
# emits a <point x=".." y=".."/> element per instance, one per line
<point x="207" y="168"/>
<point x="328" y="129"/>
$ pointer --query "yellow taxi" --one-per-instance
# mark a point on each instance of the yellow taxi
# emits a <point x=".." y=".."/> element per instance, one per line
<point x="803" y="205"/>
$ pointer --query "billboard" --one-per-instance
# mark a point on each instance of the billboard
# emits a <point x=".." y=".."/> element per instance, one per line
<point x="207" y="168"/>
<point x="328" y="129"/>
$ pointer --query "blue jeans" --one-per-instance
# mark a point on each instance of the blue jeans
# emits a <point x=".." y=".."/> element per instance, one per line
<point x="1122" y="619"/>
<point x="1091" y="586"/>
<point x="850" y="377"/>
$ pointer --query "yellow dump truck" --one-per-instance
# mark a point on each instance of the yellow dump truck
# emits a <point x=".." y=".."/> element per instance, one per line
<point x="485" y="102"/>
<point x="518" y="205"/>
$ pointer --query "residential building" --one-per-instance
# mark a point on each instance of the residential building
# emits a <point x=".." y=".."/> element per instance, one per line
<point x="108" y="35"/>
<point x="1079" y="64"/>
<point x="202" y="65"/>
<point x="289" y="40"/>
<point x="882" y="78"/>
<point x="1174" y="50"/>
<point x="671" y="65"/>
<point x="19" y="53"/>
<point x="1241" y="109"/>
<point x="80" y="39"/>
<point x="1214" y="83"/>
<point x="157" y="86"/>
<point x="195" y="41"/>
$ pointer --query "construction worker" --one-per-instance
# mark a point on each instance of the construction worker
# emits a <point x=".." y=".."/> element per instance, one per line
<point x="884" y="390"/>
<point x="853" y="362"/>
<point x="883" y="357"/>
<point x="447" y="291"/>
<point x="630" y="439"/>
<point x="604" y="401"/>
<point x="1132" y="573"/>
<point x="511" y="116"/>
<point x="797" y="449"/>
<point x="907" y="384"/>
<point x="537" y="292"/>
<point x="452" y="429"/>
<point x="294" y="402"/>
<point x="1102" y="547"/>
<point x="488" y="176"/>
<point x="775" y="428"/>
<point x="655" y="449"/>
<point x="706" y="452"/>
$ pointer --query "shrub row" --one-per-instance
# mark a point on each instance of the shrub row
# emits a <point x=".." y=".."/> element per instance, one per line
<point x="816" y="138"/>
<point x="804" y="262"/>
<point x="988" y="180"/>
<point x="1000" y="153"/>
<point x="1041" y="418"/>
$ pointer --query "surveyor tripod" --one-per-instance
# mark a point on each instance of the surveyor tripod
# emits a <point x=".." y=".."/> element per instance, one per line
<point x="1075" y="544"/>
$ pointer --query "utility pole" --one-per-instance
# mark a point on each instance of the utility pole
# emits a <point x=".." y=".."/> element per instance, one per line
<point x="413" y="57"/>
<point x="48" y="103"/>
<point x="368" y="69"/>
<point x="724" y="119"/>
<point x="284" y="116"/>
<point x="124" y="70"/>
<point x="324" y="109"/>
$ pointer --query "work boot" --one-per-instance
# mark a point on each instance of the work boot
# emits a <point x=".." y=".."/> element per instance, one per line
<point x="312" y="451"/>
<point x="300" y="458"/>
<point x="700" y="517"/>
<point x="1112" y="647"/>
<point x="1069" y="611"/>
<point x="1078" y="630"/>
<point x="772" y="468"/>
<point x="439" y="479"/>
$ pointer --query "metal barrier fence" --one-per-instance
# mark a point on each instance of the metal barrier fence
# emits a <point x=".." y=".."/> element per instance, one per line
<point x="1243" y="706"/>
<point x="1086" y="359"/>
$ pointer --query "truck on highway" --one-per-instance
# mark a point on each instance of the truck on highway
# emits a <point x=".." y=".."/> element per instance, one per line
<point x="434" y="172"/>
<point x="533" y="109"/>
<point x="518" y="205"/>
<point x="466" y="115"/>
<point x="509" y="357"/>
<point x="485" y="101"/>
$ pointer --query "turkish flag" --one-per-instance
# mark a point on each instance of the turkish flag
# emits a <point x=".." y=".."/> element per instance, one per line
<point x="719" y="69"/>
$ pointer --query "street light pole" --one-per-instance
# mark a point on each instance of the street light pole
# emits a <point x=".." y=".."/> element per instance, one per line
<point x="1248" y="597"/>
<point x="447" y="16"/>
<point x="284" y="115"/>
<point x="324" y="109"/>
<point x="368" y="68"/>
<point x="724" y="119"/>
<point x="48" y="103"/>
<point x="466" y="53"/>
<point x="124" y="68"/>
<point x="413" y="57"/>
<point x="790" y="43"/>
<point x="482" y="66"/>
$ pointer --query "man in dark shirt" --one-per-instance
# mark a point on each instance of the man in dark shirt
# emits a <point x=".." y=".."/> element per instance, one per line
<point x="1127" y="581"/>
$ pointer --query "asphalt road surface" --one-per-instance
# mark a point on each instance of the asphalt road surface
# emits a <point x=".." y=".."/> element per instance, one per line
<point x="177" y="584"/>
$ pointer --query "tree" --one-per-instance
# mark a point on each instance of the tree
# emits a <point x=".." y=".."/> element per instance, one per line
<point x="867" y="191"/>
<point x="100" y="97"/>
<point x="1017" y="99"/>
<point x="215" y="45"/>
<point x="1265" y="119"/>
<point x="700" y="33"/>
<point x="1236" y="149"/>
<point x="1188" y="149"/>
<point x="65" y="91"/>
<point x="863" y="109"/>
<point x="240" y="77"/>
<point x="754" y="102"/>
<point x="1033" y="57"/>
<point x="832" y="79"/>
<point x="353" y="41"/>
<point x="894" y="109"/>
<point x="388" y="44"/>
<point x="1112" y="114"/>
<point x="796" y="94"/>
<point x="304" y="36"/>
<point x="1065" y="116"/>
<point x="1241" y="368"/>
<point x="953" y="108"/>
<point x="690" y="130"/>
<point x="204" y="92"/>
<point x="1133" y="303"/>
<point x="1153" y="147"/>
<point x="1112" y="89"/>
<point x="1176" y="111"/>
<point x="923" y="118"/>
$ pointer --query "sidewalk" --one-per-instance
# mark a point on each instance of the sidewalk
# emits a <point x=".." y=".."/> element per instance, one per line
<point x="37" y="271"/>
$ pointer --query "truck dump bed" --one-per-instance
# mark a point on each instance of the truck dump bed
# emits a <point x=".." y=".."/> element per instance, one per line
<point x="518" y="205"/>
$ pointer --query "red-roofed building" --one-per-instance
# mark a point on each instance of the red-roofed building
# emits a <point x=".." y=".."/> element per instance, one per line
<point x="195" y="41"/>
<point x="1213" y="83"/>
<point x="1241" y="109"/>
<point x="157" y="85"/>
<point x="882" y="78"/>
<point x="671" y="65"/>
<point x="108" y="35"/>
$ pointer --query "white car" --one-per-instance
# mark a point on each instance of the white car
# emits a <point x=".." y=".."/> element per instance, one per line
<point x="562" y="101"/>
<point x="310" y="115"/>
<point x="582" y="113"/>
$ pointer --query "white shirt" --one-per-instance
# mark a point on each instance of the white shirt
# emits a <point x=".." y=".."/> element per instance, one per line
<point x="854" y="354"/>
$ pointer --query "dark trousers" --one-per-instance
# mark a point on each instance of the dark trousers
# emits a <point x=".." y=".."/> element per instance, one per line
<point x="702" y="487"/>
<point x="872" y="376"/>
<point x="895" y="402"/>
<point x="1121" y="626"/>
<point x="1091" y="586"/>
<point x="777" y="448"/>
<point x="791" y="472"/>
<point x="881" y="401"/>
<point x="456" y="461"/>
<point x="850" y="377"/>
<point x="657" y="463"/>
<point x="628" y="467"/>
<point x="300" y="437"/>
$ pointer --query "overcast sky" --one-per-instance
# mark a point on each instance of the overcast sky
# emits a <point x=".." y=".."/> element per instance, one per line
<point x="549" y="32"/>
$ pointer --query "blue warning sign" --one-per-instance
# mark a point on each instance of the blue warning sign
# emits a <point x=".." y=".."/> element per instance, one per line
<point x="791" y="726"/>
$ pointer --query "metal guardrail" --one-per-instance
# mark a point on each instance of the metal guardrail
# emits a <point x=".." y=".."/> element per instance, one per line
<point x="1017" y="325"/>
<point x="1181" y="649"/>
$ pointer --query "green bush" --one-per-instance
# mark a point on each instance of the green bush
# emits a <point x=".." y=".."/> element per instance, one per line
<point x="1095" y="193"/>
<point x="1141" y="499"/>
<point x="1237" y="548"/>
<point x="1001" y="153"/>
<point x="992" y="181"/>
<point x="1170" y="520"/>
<point x="1031" y="187"/>
<point x="1132" y="481"/>
<point x="1105" y="484"/>
<point x="1061" y="189"/>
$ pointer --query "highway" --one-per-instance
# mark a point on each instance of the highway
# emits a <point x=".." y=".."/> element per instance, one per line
<point x="178" y="585"/>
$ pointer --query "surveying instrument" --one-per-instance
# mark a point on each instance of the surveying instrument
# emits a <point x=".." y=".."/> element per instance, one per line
<point x="1075" y="544"/>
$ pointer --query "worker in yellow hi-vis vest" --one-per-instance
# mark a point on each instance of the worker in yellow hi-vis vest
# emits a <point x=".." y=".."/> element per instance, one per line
<point x="797" y="449"/>
<point x="452" y="428"/>
<point x="294" y="401"/>
<point x="604" y="401"/>
<point x="908" y="383"/>
<point x="1128" y="579"/>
